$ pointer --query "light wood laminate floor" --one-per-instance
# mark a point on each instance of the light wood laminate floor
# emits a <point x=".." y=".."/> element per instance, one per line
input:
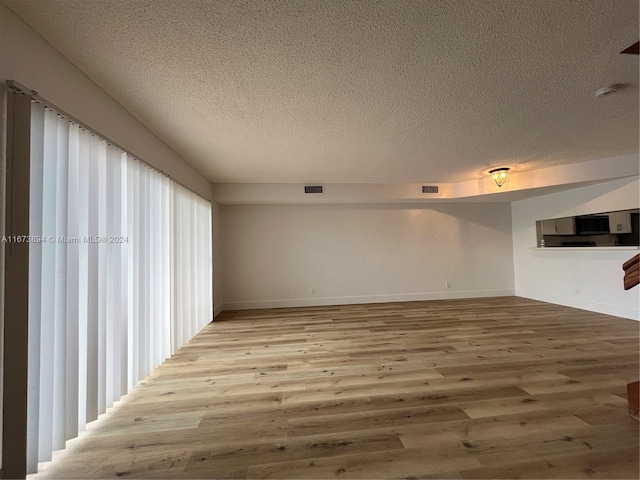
<point x="481" y="388"/>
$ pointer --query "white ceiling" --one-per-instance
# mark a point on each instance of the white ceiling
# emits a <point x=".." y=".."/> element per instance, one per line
<point x="361" y="91"/>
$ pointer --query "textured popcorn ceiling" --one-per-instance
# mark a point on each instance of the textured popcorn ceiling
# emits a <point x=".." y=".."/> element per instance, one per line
<point x="361" y="91"/>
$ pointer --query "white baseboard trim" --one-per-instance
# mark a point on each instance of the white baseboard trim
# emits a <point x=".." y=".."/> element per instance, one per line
<point x="582" y="304"/>
<point x="217" y="310"/>
<point x="394" y="297"/>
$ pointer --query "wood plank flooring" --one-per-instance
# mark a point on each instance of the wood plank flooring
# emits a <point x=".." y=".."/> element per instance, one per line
<point x="480" y="388"/>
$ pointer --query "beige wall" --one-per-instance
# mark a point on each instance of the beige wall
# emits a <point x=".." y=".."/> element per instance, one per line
<point x="364" y="253"/>
<point x="217" y="255"/>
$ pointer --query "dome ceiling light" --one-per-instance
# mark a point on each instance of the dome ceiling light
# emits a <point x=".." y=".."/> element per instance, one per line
<point x="499" y="175"/>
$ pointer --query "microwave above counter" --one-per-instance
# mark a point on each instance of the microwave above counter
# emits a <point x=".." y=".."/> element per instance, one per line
<point x="593" y="225"/>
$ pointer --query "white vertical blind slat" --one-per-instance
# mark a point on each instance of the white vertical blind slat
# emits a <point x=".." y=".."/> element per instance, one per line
<point x="93" y="269"/>
<point x="133" y="203"/>
<point x="84" y="149"/>
<point x="35" y="284"/>
<point x="122" y="279"/>
<point x="173" y="283"/>
<point x="143" y="285"/>
<point x="48" y="282"/>
<point x="73" y="286"/>
<point x="60" y="275"/>
<point x="111" y="308"/>
<point x="192" y="302"/>
<point x="165" y="345"/>
<point x="154" y="294"/>
<point x="102" y="278"/>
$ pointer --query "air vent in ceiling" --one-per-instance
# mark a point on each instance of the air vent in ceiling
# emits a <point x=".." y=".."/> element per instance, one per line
<point x="313" y="189"/>
<point x="429" y="189"/>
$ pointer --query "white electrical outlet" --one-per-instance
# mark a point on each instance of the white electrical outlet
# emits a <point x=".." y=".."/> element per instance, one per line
<point x="447" y="284"/>
<point x="313" y="291"/>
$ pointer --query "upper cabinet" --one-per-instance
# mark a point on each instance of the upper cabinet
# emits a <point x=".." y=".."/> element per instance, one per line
<point x="559" y="226"/>
<point x="620" y="222"/>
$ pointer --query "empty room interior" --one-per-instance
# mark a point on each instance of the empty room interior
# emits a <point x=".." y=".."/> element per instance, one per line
<point x="319" y="239"/>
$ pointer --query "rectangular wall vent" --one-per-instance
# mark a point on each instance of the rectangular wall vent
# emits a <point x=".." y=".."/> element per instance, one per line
<point x="429" y="189"/>
<point x="313" y="189"/>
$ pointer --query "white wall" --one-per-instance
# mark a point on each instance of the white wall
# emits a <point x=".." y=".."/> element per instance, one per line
<point x="587" y="279"/>
<point x="364" y="253"/>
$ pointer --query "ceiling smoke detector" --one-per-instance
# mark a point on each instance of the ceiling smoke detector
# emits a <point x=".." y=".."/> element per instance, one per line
<point x="608" y="90"/>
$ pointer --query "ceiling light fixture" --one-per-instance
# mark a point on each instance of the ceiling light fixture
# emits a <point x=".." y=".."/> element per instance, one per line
<point x="499" y="175"/>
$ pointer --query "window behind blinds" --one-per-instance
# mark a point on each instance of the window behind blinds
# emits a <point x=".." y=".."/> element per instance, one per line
<point x="120" y="272"/>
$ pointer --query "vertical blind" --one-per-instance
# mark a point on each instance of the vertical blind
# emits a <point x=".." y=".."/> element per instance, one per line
<point x="120" y="272"/>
